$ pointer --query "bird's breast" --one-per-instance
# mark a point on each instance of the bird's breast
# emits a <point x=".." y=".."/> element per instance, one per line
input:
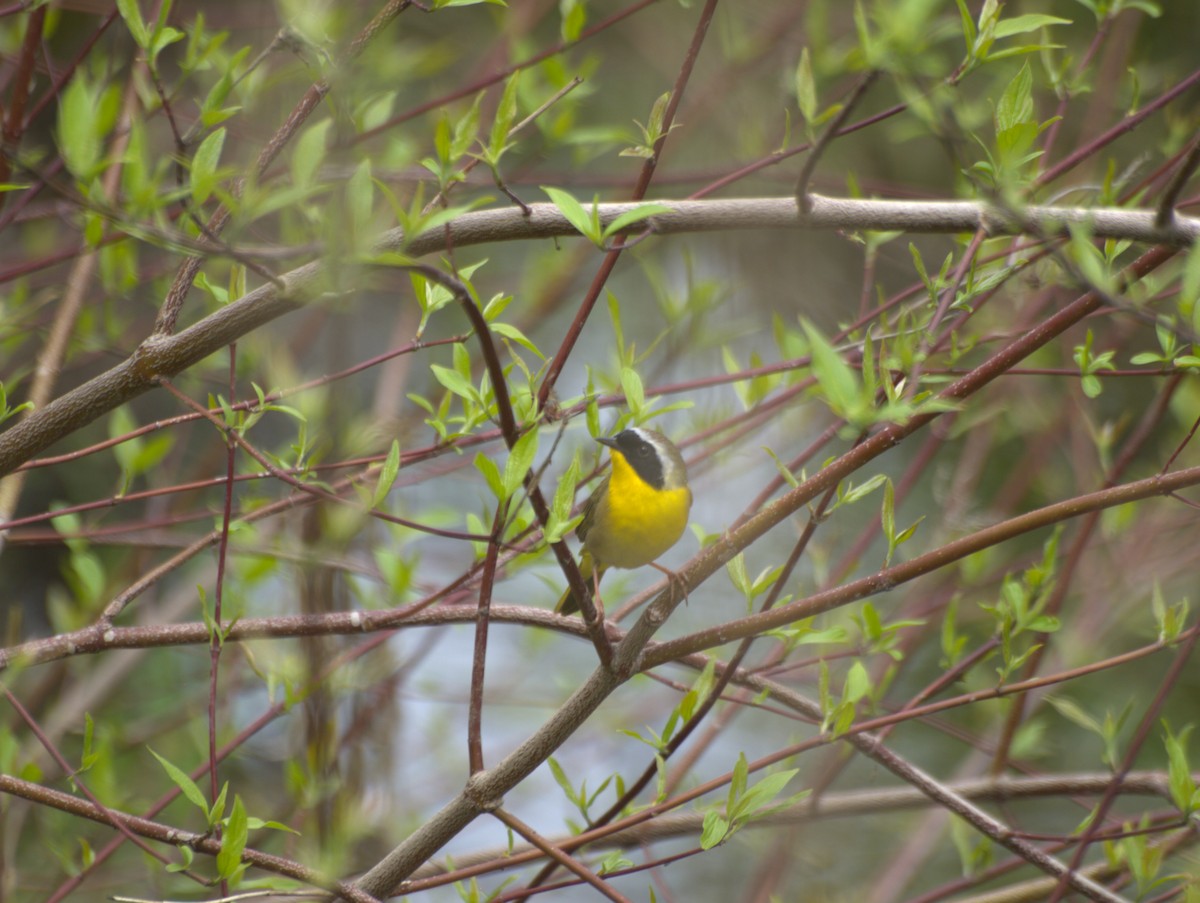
<point x="636" y="523"/>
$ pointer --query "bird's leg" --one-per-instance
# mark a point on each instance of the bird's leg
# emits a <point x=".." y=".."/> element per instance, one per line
<point x="674" y="578"/>
<point x="596" y="600"/>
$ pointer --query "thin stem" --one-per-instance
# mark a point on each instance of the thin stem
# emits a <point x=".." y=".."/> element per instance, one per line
<point x="831" y="131"/>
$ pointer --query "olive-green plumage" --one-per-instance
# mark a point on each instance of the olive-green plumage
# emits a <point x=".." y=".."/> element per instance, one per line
<point x="637" y="512"/>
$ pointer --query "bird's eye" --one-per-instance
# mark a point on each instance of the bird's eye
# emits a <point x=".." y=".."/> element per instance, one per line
<point x="643" y="451"/>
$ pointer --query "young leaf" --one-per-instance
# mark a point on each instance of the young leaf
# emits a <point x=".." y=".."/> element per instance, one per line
<point x="310" y="154"/>
<point x="491" y="473"/>
<point x="183" y="782"/>
<point x="233" y="841"/>
<point x="636" y="215"/>
<point x="564" y="499"/>
<point x="78" y="128"/>
<point x="1016" y="103"/>
<point x="635" y="395"/>
<point x="1182" y="785"/>
<point x="806" y="89"/>
<point x="520" y="459"/>
<point x="574" y="213"/>
<point x="834" y="375"/>
<point x="506" y="112"/>
<point x="387" y="475"/>
<point x="714" y="830"/>
<point x="134" y="22"/>
<point x="455" y="382"/>
<point x="1025" y="24"/>
<point x="204" y="166"/>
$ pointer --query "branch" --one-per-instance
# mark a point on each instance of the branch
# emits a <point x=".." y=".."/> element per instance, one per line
<point x="167" y="356"/>
<point x="201" y="843"/>
<point x="848" y="804"/>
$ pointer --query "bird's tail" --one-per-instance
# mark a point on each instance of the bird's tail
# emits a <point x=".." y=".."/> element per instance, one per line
<point x="568" y="604"/>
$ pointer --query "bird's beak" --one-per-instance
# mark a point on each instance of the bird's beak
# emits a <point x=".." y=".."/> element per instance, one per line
<point x="604" y="440"/>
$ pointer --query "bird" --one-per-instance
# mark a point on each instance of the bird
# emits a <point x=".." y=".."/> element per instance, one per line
<point x="637" y="512"/>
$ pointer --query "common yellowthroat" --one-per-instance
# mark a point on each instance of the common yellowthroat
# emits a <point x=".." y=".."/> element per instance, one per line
<point x="638" y="512"/>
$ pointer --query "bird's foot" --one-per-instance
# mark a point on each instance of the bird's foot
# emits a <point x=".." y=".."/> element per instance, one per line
<point x="676" y="581"/>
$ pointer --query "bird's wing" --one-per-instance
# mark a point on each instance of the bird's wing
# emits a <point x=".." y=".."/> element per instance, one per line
<point x="589" y="510"/>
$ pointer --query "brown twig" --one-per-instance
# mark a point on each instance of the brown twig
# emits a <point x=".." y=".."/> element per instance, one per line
<point x="1166" y="204"/>
<point x="645" y="175"/>
<point x="831" y="131"/>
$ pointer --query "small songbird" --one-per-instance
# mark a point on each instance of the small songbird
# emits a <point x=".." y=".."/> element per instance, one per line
<point x="638" y="512"/>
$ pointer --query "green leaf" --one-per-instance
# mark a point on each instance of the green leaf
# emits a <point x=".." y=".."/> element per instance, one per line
<point x="491" y="473"/>
<point x="1024" y="24"/>
<point x="560" y="778"/>
<point x="635" y="395"/>
<point x="520" y="460"/>
<point x="1044" y="624"/>
<point x="89" y="756"/>
<point x="258" y="823"/>
<point x="866" y="40"/>
<point x="212" y="112"/>
<point x="204" y="175"/>
<point x="511" y="332"/>
<point x="968" y="26"/>
<point x="629" y="217"/>
<point x="574" y="17"/>
<point x="737" y="784"/>
<point x="1015" y="106"/>
<point x="134" y="22"/>
<point x="564" y="500"/>
<point x="699" y="691"/>
<point x="233" y="841"/>
<point x="387" y="475"/>
<point x="714" y="831"/>
<point x="310" y="154"/>
<point x="758" y="798"/>
<point x="736" y="568"/>
<point x="614" y="861"/>
<point x="163" y="38"/>
<point x="1182" y="786"/>
<point x="185" y="784"/>
<point x="856" y="493"/>
<point x="1070" y="710"/>
<point x="919" y="263"/>
<point x="784" y="472"/>
<point x="79" y="128"/>
<point x="858" y="683"/>
<point x="216" y="812"/>
<point x="806" y="89"/>
<point x="1089" y="259"/>
<point x="187" y="856"/>
<point x="455" y="382"/>
<point x="888" y="516"/>
<point x="837" y="380"/>
<point x="465" y="130"/>
<point x="506" y="112"/>
<point x="574" y="213"/>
